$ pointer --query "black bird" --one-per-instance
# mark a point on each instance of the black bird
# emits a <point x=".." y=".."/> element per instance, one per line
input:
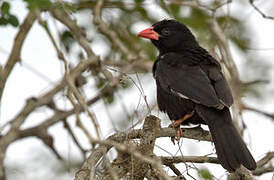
<point x="192" y="89"/>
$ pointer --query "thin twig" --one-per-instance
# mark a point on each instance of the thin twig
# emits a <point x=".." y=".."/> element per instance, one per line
<point x="248" y="108"/>
<point x="108" y="32"/>
<point x="69" y="129"/>
<point x="81" y="100"/>
<point x="16" y="50"/>
<point x="79" y="35"/>
<point x="259" y="11"/>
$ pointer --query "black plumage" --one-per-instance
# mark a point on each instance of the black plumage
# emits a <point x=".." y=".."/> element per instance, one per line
<point x="192" y="88"/>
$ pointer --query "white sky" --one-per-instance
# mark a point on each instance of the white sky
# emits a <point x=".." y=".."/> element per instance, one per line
<point x="39" y="53"/>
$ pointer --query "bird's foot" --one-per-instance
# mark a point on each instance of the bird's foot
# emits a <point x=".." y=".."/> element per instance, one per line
<point x="176" y="124"/>
<point x="179" y="133"/>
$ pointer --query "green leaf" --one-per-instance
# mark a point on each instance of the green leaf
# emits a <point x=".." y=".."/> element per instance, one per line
<point x="3" y="21"/>
<point x="110" y="99"/>
<point x="13" y="20"/>
<point x="67" y="39"/>
<point x="139" y="1"/>
<point x="32" y="4"/>
<point x="5" y="8"/>
<point x="205" y="174"/>
<point x="69" y="7"/>
<point x="44" y="3"/>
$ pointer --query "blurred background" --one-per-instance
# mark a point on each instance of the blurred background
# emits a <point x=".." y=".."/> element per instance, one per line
<point x="43" y="42"/>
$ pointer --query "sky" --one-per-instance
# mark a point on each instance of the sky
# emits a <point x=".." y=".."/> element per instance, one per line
<point x="40" y="70"/>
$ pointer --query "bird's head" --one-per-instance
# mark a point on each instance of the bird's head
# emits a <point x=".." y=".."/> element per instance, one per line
<point x="169" y="36"/>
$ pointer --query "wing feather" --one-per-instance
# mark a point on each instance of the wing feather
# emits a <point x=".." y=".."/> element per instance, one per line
<point x="191" y="82"/>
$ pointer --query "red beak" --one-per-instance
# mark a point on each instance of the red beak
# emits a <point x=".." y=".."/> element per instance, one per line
<point x="149" y="34"/>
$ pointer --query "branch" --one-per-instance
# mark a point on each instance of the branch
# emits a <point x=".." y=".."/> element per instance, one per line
<point x="77" y="32"/>
<point x="222" y="40"/>
<point x="108" y="32"/>
<point x="16" y="50"/>
<point x="198" y="5"/>
<point x="151" y="128"/>
<point x="259" y="11"/>
<point x="34" y="103"/>
<point x="241" y="174"/>
<point x="91" y="4"/>
<point x="118" y="138"/>
<point x="263" y="170"/>
<point x="267" y="158"/>
<point x="193" y="159"/>
<point x="138" y="168"/>
<point x="70" y="81"/>
<point x="246" y="107"/>
<point x="67" y="126"/>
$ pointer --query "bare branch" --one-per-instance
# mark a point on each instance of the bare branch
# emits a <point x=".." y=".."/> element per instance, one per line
<point x="116" y="140"/>
<point x="259" y="11"/>
<point x="263" y="170"/>
<point x="240" y="173"/>
<point x="246" y="107"/>
<point x="67" y="126"/>
<point x="79" y="35"/>
<point x="267" y="158"/>
<point x="108" y="32"/>
<point x="14" y="132"/>
<point x="16" y="50"/>
<point x="174" y="169"/>
<point x="193" y="159"/>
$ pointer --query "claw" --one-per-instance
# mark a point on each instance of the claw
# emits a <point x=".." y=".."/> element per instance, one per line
<point x="179" y="134"/>
<point x="176" y="124"/>
<point x="173" y="140"/>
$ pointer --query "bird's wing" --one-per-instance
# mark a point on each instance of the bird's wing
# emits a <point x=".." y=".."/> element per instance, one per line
<point x="220" y="85"/>
<point x="190" y="82"/>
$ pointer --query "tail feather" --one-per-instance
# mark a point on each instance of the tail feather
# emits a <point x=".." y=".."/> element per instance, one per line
<point x="230" y="148"/>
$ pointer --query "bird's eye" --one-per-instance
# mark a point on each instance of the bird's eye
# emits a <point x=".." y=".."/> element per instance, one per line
<point x="165" y="32"/>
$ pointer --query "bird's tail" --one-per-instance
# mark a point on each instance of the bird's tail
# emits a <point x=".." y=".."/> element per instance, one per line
<point x="230" y="148"/>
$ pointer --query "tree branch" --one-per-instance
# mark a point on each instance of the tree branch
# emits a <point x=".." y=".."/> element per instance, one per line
<point x="259" y="11"/>
<point x="79" y="35"/>
<point x="263" y="170"/>
<point x="117" y="139"/>
<point x="246" y="107"/>
<point x="16" y="50"/>
<point x="193" y="159"/>
<point x="33" y="103"/>
<point x="267" y="158"/>
<point x="108" y="32"/>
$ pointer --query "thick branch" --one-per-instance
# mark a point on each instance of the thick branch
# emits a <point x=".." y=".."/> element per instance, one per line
<point x="98" y="153"/>
<point x="193" y="159"/>
<point x="267" y="158"/>
<point x="138" y="168"/>
<point x="263" y="170"/>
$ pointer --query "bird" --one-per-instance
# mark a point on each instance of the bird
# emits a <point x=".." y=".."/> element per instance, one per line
<point x="192" y="89"/>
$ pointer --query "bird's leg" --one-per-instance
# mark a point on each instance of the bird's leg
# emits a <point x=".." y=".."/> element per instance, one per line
<point x="176" y="124"/>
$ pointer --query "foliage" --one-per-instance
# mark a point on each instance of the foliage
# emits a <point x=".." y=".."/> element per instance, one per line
<point x="205" y="174"/>
<point x="6" y="18"/>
